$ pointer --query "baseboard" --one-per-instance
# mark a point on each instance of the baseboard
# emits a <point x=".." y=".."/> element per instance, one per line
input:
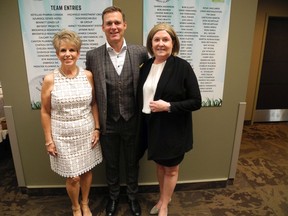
<point x="142" y="188"/>
<point x="247" y="122"/>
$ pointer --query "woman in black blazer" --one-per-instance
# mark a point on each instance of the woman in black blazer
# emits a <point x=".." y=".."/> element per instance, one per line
<point x="168" y="93"/>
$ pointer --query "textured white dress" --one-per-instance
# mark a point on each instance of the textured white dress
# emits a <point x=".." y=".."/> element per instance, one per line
<point x="72" y="125"/>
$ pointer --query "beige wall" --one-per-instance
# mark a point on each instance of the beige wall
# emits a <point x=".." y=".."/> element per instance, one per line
<point x="214" y="128"/>
<point x="265" y="9"/>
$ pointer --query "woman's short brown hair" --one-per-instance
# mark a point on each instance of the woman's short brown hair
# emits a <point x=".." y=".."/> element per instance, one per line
<point x="169" y="29"/>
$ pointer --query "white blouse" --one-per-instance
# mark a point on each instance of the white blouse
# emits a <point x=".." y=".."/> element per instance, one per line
<point x="150" y="85"/>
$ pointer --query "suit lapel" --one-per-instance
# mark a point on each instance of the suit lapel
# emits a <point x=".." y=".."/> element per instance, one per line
<point x="135" y="73"/>
<point x="102" y="69"/>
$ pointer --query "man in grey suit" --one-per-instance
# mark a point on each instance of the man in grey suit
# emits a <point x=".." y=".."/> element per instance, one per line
<point x="115" y="67"/>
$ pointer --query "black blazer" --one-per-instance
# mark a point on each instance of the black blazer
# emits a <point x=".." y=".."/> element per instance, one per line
<point x="170" y="133"/>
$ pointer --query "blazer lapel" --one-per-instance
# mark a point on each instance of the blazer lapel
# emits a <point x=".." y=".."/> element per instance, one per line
<point x="145" y="71"/>
<point x="164" y="78"/>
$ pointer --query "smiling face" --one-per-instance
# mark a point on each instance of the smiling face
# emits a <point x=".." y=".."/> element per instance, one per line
<point x="68" y="53"/>
<point x="114" y="27"/>
<point x="162" y="45"/>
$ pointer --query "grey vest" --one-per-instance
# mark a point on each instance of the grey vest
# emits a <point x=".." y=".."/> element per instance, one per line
<point x="120" y="92"/>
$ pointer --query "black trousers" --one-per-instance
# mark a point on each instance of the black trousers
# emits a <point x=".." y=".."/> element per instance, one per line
<point x="120" y="136"/>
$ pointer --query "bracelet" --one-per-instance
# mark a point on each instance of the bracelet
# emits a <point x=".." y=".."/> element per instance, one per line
<point x="98" y="129"/>
<point x="169" y="108"/>
<point x="49" y="143"/>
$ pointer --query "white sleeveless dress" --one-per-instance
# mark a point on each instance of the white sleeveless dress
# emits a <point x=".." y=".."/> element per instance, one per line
<point x="72" y="125"/>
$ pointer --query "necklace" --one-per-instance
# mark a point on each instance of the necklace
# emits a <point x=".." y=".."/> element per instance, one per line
<point x="67" y="76"/>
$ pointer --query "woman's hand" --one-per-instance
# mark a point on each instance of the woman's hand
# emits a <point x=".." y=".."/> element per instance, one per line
<point x="95" y="138"/>
<point x="159" y="106"/>
<point x="51" y="149"/>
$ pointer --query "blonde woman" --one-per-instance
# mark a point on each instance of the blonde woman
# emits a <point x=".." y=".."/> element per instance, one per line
<point x="70" y="121"/>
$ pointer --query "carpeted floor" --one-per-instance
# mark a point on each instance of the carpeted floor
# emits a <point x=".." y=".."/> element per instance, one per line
<point x="259" y="189"/>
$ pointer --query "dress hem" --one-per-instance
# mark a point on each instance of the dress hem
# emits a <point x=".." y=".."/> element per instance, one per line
<point x="81" y="172"/>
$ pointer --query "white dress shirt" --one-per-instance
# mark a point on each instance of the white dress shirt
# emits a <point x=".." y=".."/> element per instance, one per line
<point x="117" y="58"/>
<point x="150" y="85"/>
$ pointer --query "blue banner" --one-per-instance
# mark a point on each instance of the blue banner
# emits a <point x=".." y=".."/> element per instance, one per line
<point x="41" y="19"/>
<point x="202" y="27"/>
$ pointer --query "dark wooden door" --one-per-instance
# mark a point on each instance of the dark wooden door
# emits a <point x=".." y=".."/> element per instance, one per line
<point x="273" y="88"/>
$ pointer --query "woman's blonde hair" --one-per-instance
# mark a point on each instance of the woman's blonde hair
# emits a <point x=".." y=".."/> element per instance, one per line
<point x="169" y="29"/>
<point x="69" y="36"/>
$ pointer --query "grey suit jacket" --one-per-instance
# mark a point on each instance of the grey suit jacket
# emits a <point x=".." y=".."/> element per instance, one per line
<point x="95" y="62"/>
